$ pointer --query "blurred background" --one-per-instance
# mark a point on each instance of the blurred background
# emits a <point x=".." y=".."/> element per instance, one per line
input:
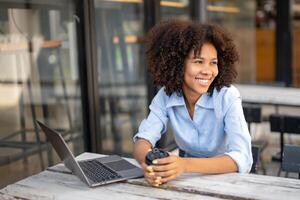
<point x="78" y="66"/>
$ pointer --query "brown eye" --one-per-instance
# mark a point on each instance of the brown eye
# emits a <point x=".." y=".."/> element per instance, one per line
<point x="198" y="61"/>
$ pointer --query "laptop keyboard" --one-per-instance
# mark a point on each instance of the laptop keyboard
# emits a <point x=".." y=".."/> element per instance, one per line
<point x="98" y="172"/>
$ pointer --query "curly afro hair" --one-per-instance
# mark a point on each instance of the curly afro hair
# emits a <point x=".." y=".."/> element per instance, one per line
<point x="168" y="44"/>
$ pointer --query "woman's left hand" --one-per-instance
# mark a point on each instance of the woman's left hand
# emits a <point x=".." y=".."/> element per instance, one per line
<point x="169" y="168"/>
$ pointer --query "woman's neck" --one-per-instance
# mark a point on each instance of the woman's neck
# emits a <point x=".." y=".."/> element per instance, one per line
<point x="190" y="101"/>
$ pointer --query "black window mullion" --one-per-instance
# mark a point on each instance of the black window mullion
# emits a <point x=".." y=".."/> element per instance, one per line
<point x="151" y="17"/>
<point x="88" y="74"/>
<point x="283" y="43"/>
<point x="198" y="10"/>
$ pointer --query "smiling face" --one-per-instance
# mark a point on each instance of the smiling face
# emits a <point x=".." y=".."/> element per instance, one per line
<point x="200" y="71"/>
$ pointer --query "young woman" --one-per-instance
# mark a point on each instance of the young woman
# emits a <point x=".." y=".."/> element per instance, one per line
<point x="195" y="66"/>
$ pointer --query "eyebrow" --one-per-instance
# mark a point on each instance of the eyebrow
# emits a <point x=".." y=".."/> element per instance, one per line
<point x="197" y="57"/>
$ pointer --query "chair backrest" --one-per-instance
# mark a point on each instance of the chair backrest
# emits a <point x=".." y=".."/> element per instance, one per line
<point x="285" y="123"/>
<point x="291" y="158"/>
<point x="255" y="152"/>
<point x="252" y="113"/>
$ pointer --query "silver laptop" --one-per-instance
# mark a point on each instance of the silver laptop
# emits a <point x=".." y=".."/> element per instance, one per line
<point x="93" y="172"/>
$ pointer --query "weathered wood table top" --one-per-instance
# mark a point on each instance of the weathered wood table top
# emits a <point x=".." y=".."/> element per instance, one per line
<point x="58" y="183"/>
<point x="270" y="95"/>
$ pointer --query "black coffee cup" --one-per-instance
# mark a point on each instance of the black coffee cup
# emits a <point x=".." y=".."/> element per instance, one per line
<point x="155" y="153"/>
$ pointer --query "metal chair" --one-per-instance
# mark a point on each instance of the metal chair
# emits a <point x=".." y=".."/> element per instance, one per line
<point x="252" y="113"/>
<point x="28" y="148"/>
<point x="284" y="124"/>
<point x="291" y="159"/>
<point x="35" y="147"/>
<point x="255" y="156"/>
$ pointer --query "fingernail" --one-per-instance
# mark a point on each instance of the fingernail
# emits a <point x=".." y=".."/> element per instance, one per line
<point x="156" y="185"/>
<point x="154" y="161"/>
<point x="151" y="173"/>
<point x="157" y="181"/>
<point x="158" y="178"/>
<point x="149" y="168"/>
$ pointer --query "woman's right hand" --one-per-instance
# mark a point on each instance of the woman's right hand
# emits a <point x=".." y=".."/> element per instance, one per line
<point x="150" y="176"/>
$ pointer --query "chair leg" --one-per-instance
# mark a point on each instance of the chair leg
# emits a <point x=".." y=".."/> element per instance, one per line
<point x="23" y="129"/>
<point x="22" y="114"/>
<point x="279" y="170"/>
<point x="38" y="140"/>
<point x="281" y="151"/>
<point x="286" y="174"/>
<point x="63" y="82"/>
<point x="281" y="145"/>
<point x="262" y="165"/>
<point x="49" y="149"/>
<point x="115" y="133"/>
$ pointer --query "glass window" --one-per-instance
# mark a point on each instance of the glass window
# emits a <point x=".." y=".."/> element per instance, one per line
<point x="238" y="17"/>
<point x="175" y="9"/>
<point x="120" y="60"/>
<point x="296" y="42"/>
<point x="38" y="80"/>
<point x="265" y="41"/>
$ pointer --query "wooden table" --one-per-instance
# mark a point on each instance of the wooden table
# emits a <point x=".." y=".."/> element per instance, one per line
<point x="58" y="183"/>
<point x="270" y="95"/>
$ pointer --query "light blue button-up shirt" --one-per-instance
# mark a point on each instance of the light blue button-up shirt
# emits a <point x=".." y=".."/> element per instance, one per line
<point x="218" y="126"/>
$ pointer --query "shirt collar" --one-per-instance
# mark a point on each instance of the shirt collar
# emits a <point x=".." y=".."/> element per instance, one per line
<point x="175" y="100"/>
<point x="204" y="101"/>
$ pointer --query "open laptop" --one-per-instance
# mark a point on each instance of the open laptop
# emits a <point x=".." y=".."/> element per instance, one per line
<point x="96" y="171"/>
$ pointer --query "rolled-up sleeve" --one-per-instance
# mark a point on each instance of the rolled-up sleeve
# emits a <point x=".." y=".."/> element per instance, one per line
<point x="238" y="137"/>
<point x="155" y="124"/>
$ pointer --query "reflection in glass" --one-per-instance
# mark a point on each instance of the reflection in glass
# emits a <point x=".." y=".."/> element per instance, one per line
<point x="38" y="80"/>
<point x="122" y="87"/>
<point x="296" y="42"/>
<point x="239" y="18"/>
<point x="175" y="9"/>
<point x="265" y="41"/>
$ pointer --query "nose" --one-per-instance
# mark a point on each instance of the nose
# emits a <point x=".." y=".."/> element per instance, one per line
<point x="206" y="70"/>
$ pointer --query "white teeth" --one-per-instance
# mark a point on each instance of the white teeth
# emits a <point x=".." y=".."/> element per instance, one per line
<point x="202" y="81"/>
